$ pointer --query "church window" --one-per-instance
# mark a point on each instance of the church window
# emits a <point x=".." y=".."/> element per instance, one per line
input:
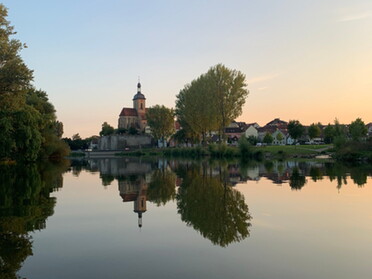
<point x="141" y="106"/>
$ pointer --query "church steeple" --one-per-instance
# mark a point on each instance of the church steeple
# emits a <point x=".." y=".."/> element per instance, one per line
<point x="139" y="95"/>
<point x="138" y="86"/>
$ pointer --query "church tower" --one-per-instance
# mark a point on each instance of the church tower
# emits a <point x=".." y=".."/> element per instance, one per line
<point x="139" y="101"/>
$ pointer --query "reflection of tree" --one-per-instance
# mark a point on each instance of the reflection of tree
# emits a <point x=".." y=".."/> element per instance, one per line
<point x="338" y="172"/>
<point x="24" y="206"/>
<point x="14" y="249"/>
<point x="218" y="212"/>
<point x="316" y="174"/>
<point x="296" y="180"/>
<point x="106" y="179"/>
<point x="162" y="187"/>
<point x="359" y="176"/>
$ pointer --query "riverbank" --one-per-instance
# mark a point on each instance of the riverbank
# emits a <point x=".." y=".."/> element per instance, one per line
<point x="219" y="151"/>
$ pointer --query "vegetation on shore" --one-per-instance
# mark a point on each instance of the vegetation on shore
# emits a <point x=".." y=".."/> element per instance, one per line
<point x="28" y="123"/>
<point x="243" y="151"/>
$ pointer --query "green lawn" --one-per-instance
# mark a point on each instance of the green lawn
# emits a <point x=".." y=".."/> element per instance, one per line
<point x="293" y="149"/>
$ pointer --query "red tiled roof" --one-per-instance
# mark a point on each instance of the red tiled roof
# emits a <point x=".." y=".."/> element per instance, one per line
<point x="267" y="129"/>
<point x="277" y="122"/>
<point x="128" y="112"/>
<point x="129" y="197"/>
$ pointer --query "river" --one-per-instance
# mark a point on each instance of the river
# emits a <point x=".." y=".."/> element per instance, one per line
<point x="139" y="218"/>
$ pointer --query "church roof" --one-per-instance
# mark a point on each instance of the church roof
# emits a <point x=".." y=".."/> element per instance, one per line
<point x="128" y="112"/>
<point x="139" y="95"/>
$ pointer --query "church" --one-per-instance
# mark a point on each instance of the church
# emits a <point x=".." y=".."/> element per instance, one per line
<point x="134" y="117"/>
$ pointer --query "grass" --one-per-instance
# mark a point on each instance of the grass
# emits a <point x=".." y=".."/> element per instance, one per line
<point x="292" y="149"/>
<point x="223" y="151"/>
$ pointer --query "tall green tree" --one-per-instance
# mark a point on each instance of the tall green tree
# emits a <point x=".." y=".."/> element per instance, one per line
<point x="161" y="121"/>
<point x="314" y="131"/>
<point x="50" y="128"/>
<point x="194" y="108"/>
<point x="15" y="77"/>
<point x="229" y="91"/>
<point x="295" y="129"/>
<point x="329" y="133"/>
<point x="28" y="125"/>
<point x="357" y="129"/>
<point x="212" y="101"/>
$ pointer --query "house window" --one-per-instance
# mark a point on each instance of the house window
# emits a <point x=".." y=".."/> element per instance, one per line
<point x="141" y="106"/>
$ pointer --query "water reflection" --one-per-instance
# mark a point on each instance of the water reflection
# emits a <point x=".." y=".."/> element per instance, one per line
<point x="25" y="204"/>
<point x="210" y="206"/>
<point x="204" y="191"/>
<point x="205" y="199"/>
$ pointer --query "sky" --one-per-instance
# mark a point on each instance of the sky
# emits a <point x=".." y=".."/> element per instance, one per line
<point x="309" y="60"/>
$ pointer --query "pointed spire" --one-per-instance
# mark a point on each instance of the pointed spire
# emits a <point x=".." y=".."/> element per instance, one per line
<point x="139" y="219"/>
<point x="139" y="85"/>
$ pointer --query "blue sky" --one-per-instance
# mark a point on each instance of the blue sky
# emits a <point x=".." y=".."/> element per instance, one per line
<point x="305" y="60"/>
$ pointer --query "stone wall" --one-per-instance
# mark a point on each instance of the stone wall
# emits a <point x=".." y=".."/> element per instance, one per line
<point x="120" y="142"/>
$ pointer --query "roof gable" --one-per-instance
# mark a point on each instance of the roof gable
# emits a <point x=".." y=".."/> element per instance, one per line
<point x="128" y="112"/>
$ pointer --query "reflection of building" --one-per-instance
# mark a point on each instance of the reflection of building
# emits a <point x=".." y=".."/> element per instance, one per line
<point x="135" y="190"/>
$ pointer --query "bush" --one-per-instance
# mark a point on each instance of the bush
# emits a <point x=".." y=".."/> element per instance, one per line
<point x="245" y="148"/>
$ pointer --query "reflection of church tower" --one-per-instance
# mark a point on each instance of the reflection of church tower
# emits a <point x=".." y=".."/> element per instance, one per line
<point x="136" y="191"/>
<point x="140" y="204"/>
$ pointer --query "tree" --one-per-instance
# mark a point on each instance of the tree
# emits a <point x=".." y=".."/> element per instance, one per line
<point x="106" y="130"/>
<point x="50" y="128"/>
<point x="279" y="137"/>
<point x="229" y="91"/>
<point x="161" y="121"/>
<point x="15" y="77"/>
<point x="194" y="115"/>
<point x="357" y="129"/>
<point x="339" y="135"/>
<point x="268" y="138"/>
<point x="295" y="129"/>
<point x="28" y="125"/>
<point x="329" y="133"/>
<point x="252" y="140"/>
<point x="212" y="101"/>
<point x="132" y="131"/>
<point x="314" y="131"/>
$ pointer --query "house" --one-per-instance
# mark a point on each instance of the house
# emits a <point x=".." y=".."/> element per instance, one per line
<point x="279" y="137"/>
<point x="251" y="131"/>
<point x="277" y="123"/>
<point x="134" y="117"/>
<point x="265" y="130"/>
<point x="233" y="132"/>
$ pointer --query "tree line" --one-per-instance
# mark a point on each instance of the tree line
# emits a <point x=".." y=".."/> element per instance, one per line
<point x="28" y="123"/>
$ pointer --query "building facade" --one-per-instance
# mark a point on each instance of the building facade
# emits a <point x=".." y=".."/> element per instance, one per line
<point x="134" y="117"/>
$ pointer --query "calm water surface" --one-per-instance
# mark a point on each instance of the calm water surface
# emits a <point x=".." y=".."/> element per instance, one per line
<point x="130" y="218"/>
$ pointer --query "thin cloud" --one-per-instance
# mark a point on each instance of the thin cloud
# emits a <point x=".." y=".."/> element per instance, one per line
<point x="262" y="78"/>
<point x="356" y="16"/>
